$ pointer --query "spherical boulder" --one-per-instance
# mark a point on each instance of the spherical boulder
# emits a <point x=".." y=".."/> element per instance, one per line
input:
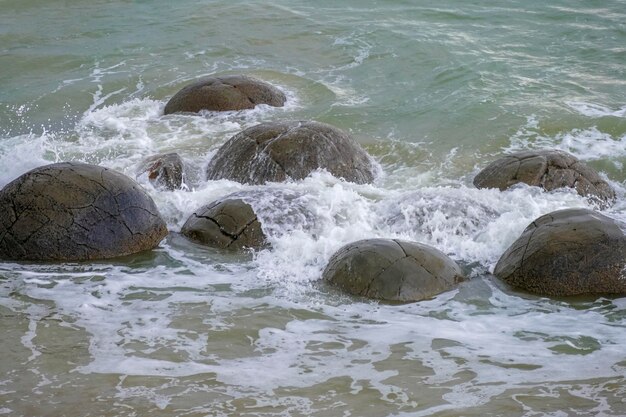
<point x="392" y="270"/>
<point x="549" y="169"/>
<point x="278" y="151"/>
<point x="230" y="223"/>
<point x="224" y="93"/>
<point x="567" y="252"/>
<point x="74" y="211"/>
<point x="164" y="171"/>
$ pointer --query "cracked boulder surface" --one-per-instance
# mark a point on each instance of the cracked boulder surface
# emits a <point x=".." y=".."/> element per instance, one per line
<point x="224" y="93"/>
<point x="279" y="151"/>
<point x="230" y="223"/>
<point x="392" y="270"/>
<point x="74" y="211"/>
<point x="165" y="171"/>
<point x="549" y="169"/>
<point x="567" y="252"/>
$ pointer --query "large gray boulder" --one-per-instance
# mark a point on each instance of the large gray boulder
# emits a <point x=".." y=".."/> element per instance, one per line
<point x="164" y="171"/>
<point x="278" y="151"/>
<point x="392" y="270"/>
<point x="567" y="252"/>
<point x="549" y="169"/>
<point x="230" y="223"/>
<point x="74" y="211"/>
<point x="223" y="93"/>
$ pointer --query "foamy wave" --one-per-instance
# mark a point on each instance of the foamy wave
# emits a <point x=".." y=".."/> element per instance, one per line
<point x="23" y="153"/>
<point x="585" y="144"/>
<point x="176" y="322"/>
<point x="596" y="110"/>
<point x="473" y="226"/>
<point x="119" y="136"/>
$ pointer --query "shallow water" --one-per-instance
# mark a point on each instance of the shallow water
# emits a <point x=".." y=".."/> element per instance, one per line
<point x="433" y="93"/>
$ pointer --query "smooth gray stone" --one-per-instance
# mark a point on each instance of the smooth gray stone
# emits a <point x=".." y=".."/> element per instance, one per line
<point x="279" y="151"/>
<point x="74" y="211"/>
<point x="230" y="223"/>
<point x="567" y="252"/>
<point x="549" y="169"/>
<point x="392" y="270"/>
<point x="224" y="93"/>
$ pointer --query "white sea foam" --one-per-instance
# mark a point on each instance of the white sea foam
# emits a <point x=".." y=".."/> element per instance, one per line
<point x="517" y="345"/>
<point x="596" y="110"/>
<point x="251" y="326"/>
<point x="586" y="144"/>
<point x="23" y="153"/>
<point x="119" y="136"/>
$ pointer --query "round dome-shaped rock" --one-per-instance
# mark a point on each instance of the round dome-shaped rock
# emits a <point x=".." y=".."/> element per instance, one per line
<point x="278" y="151"/>
<point x="549" y="169"/>
<point x="224" y="93"/>
<point x="392" y="270"/>
<point x="164" y="171"/>
<point x="567" y="252"/>
<point x="75" y="211"/>
<point x="230" y="223"/>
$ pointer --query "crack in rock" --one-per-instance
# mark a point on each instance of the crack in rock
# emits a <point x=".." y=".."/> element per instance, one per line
<point x="290" y="150"/>
<point x="63" y="211"/>
<point x="360" y="266"/>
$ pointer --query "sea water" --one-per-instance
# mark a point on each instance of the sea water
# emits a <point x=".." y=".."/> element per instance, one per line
<point x="434" y="91"/>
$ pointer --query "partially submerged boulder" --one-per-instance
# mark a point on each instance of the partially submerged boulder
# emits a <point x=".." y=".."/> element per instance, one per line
<point x="392" y="270"/>
<point x="549" y="169"/>
<point x="230" y="223"/>
<point x="567" y="252"/>
<point x="74" y="211"/>
<point x="245" y="219"/>
<point x="223" y="93"/>
<point x="278" y="151"/>
<point x="163" y="170"/>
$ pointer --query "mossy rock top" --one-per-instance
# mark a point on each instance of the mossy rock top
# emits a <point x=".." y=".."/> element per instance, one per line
<point x="73" y="211"/>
